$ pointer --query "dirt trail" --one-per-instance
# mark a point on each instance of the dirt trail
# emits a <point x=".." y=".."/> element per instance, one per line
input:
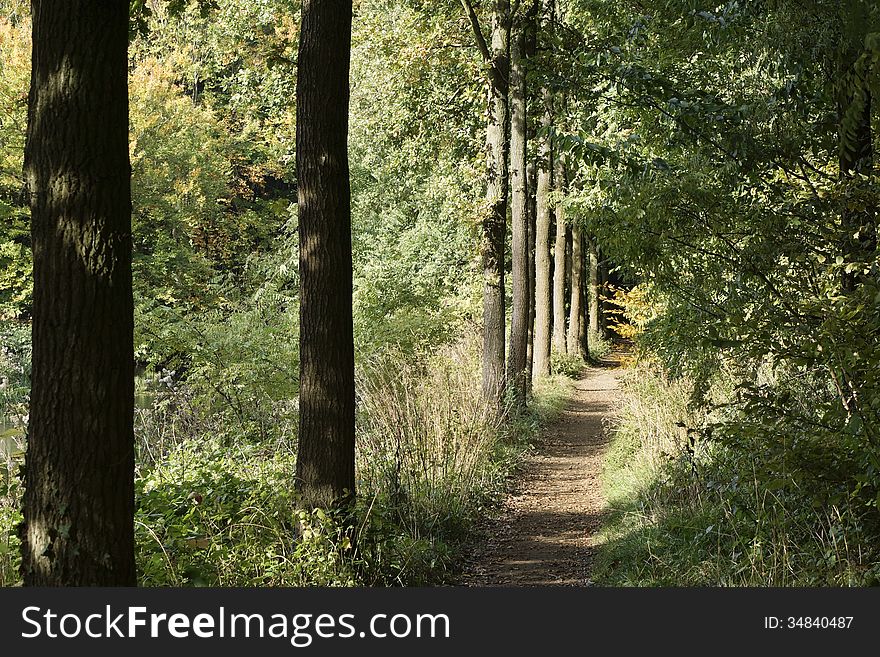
<point x="545" y="535"/>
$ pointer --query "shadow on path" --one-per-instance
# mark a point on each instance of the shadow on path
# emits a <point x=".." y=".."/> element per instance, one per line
<point x="544" y="536"/>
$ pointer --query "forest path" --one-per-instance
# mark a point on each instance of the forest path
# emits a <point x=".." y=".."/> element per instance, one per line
<point x="545" y="534"/>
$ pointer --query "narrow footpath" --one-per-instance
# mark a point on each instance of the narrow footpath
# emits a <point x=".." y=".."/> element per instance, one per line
<point x="545" y="534"/>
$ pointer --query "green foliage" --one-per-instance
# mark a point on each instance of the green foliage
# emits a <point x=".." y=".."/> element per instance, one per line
<point x="15" y="256"/>
<point x="688" y="510"/>
<point x="570" y="365"/>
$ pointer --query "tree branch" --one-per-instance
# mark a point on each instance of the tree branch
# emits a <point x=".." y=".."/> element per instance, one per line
<point x="478" y="31"/>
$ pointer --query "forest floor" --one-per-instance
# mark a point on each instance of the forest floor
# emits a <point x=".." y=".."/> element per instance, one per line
<point x="545" y="533"/>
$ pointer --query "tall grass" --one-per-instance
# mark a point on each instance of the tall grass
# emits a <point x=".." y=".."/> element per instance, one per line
<point x="686" y="509"/>
<point x="426" y="438"/>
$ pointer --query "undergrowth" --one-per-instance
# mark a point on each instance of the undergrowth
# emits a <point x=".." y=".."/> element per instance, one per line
<point x="698" y="499"/>
<point x="215" y="509"/>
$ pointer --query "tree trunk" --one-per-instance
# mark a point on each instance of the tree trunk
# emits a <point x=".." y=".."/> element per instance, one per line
<point x="560" y="263"/>
<point x="530" y="350"/>
<point x="78" y="527"/>
<point x="593" y="288"/>
<point x="583" y="338"/>
<point x="494" y="227"/>
<point x="517" y="367"/>
<point x="574" y="308"/>
<point x="603" y="290"/>
<point x="543" y="299"/>
<point x="325" y="457"/>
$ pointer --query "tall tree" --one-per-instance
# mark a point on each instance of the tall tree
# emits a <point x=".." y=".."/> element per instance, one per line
<point x="574" y="338"/>
<point x="517" y="367"/>
<point x="496" y="54"/>
<point x="78" y="524"/>
<point x="544" y="175"/>
<point x="593" y="286"/>
<point x="325" y="457"/>
<point x="561" y="263"/>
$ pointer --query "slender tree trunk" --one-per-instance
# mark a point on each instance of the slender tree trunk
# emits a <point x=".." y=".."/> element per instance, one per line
<point x="78" y="527"/>
<point x="574" y="308"/>
<point x="603" y="290"/>
<point x="517" y="367"/>
<point x="494" y="226"/>
<point x="583" y="337"/>
<point x="593" y="288"/>
<point x="560" y="264"/>
<point x="325" y="457"/>
<point x="543" y="298"/>
<point x="530" y="351"/>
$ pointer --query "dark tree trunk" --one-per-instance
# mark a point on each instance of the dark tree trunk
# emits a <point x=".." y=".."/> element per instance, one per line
<point x="78" y="527"/>
<point x="574" y="307"/>
<point x="517" y="367"/>
<point x="593" y="288"/>
<point x="325" y="457"/>
<point x="560" y="262"/>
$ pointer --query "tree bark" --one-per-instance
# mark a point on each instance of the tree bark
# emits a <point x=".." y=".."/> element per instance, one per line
<point x="574" y="307"/>
<point x="593" y="288"/>
<point x="530" y="350"/>
<point x="583" y="337"/>
<point x="494" y="227"/>
<point x="517" y="367"/>
<point x="543" y="299"/>
<point x="78" y="527"/>
<point x="325" y="458"/>
<point x="561" y="263"/>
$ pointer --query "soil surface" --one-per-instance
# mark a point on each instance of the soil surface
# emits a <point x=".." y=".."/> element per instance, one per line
<point x="545" y="533"/>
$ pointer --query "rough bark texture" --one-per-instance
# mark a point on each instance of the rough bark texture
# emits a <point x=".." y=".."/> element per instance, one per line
<point x="560" y="264"/>
<point x="79" y="483"/>
<point x="593" y="288"/>
<point x="494" y="227"/>
<point x="543" y="299"/>
<point x="517" y="368"/>
<point x="577" y="282"/>
<point x="325" y="458"/>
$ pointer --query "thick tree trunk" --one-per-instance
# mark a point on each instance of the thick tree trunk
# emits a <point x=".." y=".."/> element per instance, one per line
<point x="325" y="457"/>
<point x="517" y="367"/>
<point x="543" y="298"/>
<point x="561" y="263"/>
<point x="593" y="288"/>
<point x="79" y="486"/>
<point x="577" y="282"/>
